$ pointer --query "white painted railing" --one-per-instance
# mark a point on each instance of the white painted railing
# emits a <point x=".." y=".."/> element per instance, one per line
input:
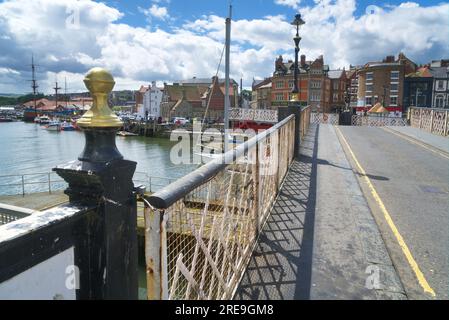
<point x="431" y="120"/>
<point x="258" y="115"/>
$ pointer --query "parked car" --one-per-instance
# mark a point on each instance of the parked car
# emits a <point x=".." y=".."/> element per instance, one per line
<point x="180" y="121"/>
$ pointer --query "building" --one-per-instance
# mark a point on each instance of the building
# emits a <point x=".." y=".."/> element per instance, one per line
<point x="440" y="87"/>
<point x="261" y="94"/>
<point x="213" y="99"/>
<point x="313" y="83"/>
<point x="197" y="98"/>
<point x="338" y="83"/>
<point x="152" y="99"/>
<point x="319" y="85"/>
<point x="283" y="82"/>
<point x="182" y="101"/>
<point x="138" y="98"/>
<point x="418" y="88"/>
<point x="352" y="79"/>
<point x="383" y="82"/>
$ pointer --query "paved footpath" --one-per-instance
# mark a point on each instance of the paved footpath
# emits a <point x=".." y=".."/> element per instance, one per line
<point x="431" y="139"/>
<point x="321" y="241"/>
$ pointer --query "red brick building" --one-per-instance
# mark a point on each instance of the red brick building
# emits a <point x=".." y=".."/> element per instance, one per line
<point x="313" y="83"/>
<point x="339" y="81"/>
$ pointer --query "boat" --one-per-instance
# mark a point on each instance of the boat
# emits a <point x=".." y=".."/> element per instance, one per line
<point x="54" y="125"/>
<point x="44" y="120"/>
<point x="126" y="134"/>
<point x="5" y="119"/>
<point x="66" y="126"/>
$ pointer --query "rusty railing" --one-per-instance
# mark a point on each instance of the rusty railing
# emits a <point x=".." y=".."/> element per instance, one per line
<point x="200" y="231"/>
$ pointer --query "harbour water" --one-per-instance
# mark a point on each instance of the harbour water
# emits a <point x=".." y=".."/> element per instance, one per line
<point x="27" y="148"/>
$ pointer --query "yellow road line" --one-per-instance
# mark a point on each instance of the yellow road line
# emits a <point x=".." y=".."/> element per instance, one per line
<point x="419" y="275"/>
<point x="416" y="142"/>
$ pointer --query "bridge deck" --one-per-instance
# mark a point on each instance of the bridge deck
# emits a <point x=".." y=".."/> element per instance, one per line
<point x="321" y="238"/>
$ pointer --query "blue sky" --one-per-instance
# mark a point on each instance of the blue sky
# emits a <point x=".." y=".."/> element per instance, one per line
<point x="165" y="40"/>
<point x="184" y="10"/>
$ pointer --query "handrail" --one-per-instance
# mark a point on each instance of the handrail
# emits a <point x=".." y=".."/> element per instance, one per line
<point x="164" y="198"/>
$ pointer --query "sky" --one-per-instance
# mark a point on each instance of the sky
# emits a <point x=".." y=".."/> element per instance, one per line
<point x="166" y="40"/>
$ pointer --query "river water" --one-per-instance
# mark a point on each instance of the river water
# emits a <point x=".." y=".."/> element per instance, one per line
<point x="27" y="148"/>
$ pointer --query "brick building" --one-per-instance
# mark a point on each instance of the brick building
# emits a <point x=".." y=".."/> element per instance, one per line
<point x="261" y="94"/>
<point x="190" y="98"/>
<point x="339" y="82"/>
<point x="418" y="89"/>
<point x="383" y="82"/>
<point x="313" y="83"/>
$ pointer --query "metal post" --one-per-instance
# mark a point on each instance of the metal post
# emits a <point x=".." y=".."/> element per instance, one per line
<point x="102" y="178"/>
<point x="445" y="123"/>
<point x="49" y="183"/>
<point x="256" y="205"/>
<point x="431" y="120"/>
<point x="156" y="254"/>
<point x="227" y="102"/>
<point x="23" y="185"/>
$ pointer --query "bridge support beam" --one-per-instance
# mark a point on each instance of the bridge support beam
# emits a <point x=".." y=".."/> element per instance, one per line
<point x="294" y="107"/>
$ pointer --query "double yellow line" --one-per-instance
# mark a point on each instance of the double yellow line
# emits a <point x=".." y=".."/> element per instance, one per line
<point x="412" y="262"/>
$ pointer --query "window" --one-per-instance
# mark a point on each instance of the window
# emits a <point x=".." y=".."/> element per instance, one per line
<point x="289" y="96"/>
<point x="279" y="97"/>
<point x="394" y="75"/>
<point x="335" y="97"/>
<point x="335" y="85"/>
<point x="394" y="100"/>
<point x="279" y="84"/>
<point x="440" y="85"/>
<point x="315" y="84"/>
<point x="315" y="96"/>
<point x="439" y="101"/>
<point x="394" y="87"/>
<point x="290" y="83"/>
<point x="369" y="76"/>
<point x="369" y="88"/>
<point x="369" y="101"/>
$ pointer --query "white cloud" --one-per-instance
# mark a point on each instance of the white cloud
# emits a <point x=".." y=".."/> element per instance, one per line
<point x="137" y="55"/>
<point x="290" y="3"/>
<point x="156" y="12"/>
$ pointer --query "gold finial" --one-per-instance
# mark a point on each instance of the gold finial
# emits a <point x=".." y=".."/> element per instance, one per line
<point x="294" y="97"/>
<point x="99" y="82"/>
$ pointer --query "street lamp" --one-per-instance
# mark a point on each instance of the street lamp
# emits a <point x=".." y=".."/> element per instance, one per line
<point x="297" y="22"/>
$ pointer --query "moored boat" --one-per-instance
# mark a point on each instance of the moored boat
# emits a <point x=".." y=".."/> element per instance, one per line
<point x="44" y="120"/>
<point x="66" y="126"/>
<point x="53" y="126"/>
<point x="5" y="119"/>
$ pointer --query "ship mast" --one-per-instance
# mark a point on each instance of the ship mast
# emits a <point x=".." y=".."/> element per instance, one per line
<point x="34" y="85"/>
<point x="56" y="88"/>
<point x="227" y="62"/>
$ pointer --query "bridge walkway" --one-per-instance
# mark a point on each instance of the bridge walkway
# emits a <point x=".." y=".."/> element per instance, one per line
<point x="321" y="241"/>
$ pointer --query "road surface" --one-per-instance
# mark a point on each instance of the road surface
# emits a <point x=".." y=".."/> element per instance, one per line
<point x="411" y="181"/>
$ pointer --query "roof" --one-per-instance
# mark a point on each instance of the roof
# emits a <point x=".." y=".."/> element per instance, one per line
<point x="422" y="72"/>
<point x="200" y="81"/>
<point x="378" y="108"/>
<point x="335" y="74"/>
<point x="192" y="93"/>
<point x="439" y="72"/>
<point x="268" y="85"/>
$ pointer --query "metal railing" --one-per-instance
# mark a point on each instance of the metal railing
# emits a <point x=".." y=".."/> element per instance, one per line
<point x="259" y="115"/>
<point x="430" y="119"/>
<point x="200" y="231"/>
<point x="9" y="213"/>
<point x="30" y="183"/>
<point x="377" y="121"/>
<point x="324" y="118"/>
<point x="22" y="184"/>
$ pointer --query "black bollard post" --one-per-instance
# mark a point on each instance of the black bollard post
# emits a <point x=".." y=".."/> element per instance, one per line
<point x="100" y="176"/>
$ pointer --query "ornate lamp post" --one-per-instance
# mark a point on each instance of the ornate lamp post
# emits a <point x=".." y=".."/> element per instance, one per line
<point x="298" y="22"/>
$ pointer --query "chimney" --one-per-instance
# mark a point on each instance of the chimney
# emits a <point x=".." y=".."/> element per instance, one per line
<point x="389" y="59"/>
<point x="303" y="60"/>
